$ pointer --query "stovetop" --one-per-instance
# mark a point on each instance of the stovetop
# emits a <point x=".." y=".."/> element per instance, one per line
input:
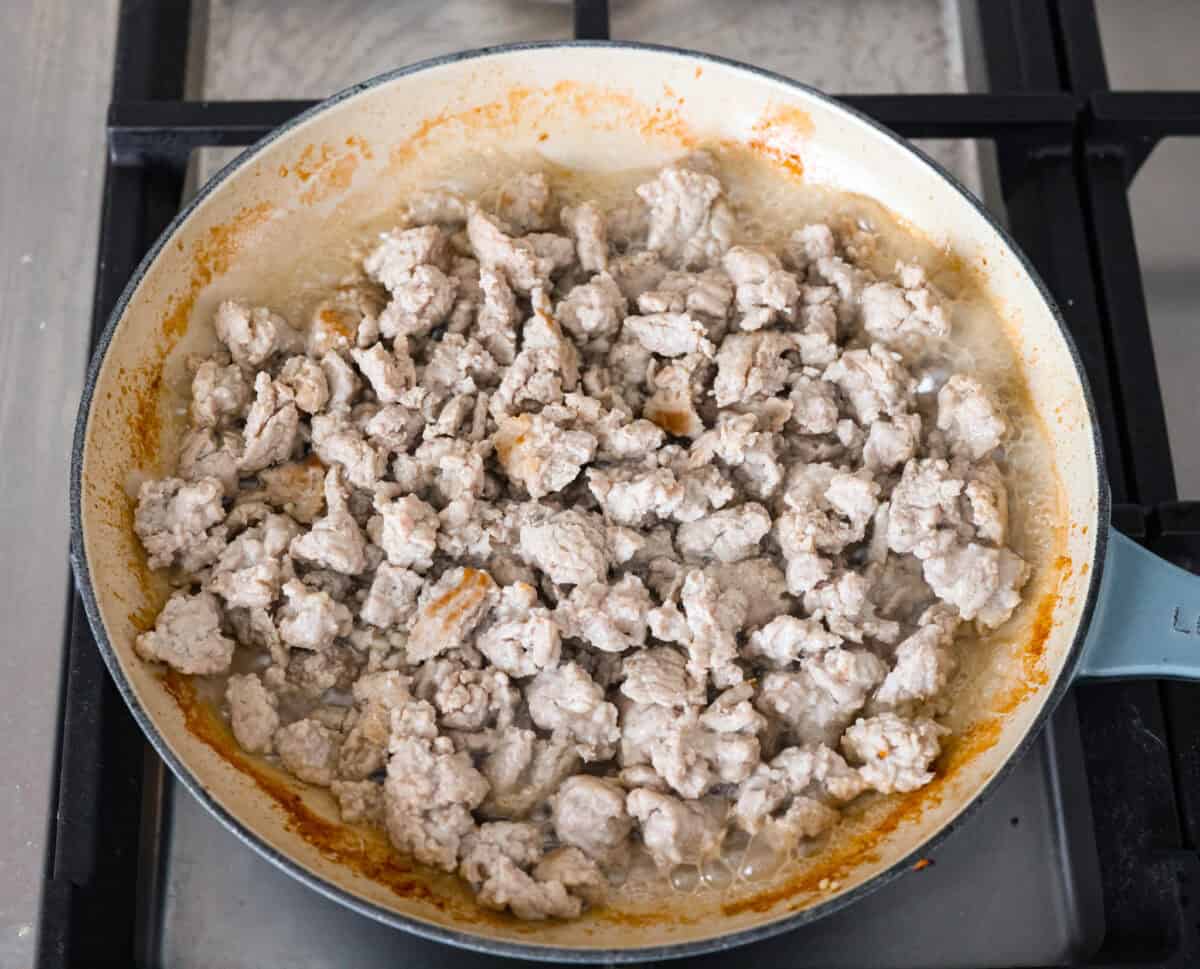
<point x="1082" y="856"/>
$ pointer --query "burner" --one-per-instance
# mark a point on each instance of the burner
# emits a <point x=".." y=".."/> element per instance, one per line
<point x="1083" y="856"/>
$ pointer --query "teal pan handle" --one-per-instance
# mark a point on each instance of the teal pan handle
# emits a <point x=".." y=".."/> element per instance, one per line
<point x="1147" y="618"/>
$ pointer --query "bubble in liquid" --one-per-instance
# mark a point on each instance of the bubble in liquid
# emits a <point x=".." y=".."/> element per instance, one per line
<point x="685" y="878"/>
<point x="759" y="861"/>
<point x="716" y="874"/>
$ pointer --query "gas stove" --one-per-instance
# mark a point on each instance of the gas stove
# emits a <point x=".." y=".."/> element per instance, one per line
<point x="1084" y="856"/>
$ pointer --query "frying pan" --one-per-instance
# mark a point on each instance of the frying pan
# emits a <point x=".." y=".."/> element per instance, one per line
<point x="1100" y="606"/>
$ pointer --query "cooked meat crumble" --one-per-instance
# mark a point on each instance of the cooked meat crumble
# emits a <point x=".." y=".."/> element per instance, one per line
<point x="564" y="535"/>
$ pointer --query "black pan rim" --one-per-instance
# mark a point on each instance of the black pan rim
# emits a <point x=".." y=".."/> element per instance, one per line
<point x="474" y="941"/>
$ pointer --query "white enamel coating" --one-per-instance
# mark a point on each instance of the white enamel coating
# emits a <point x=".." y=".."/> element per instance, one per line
<point x="583" y="106"/>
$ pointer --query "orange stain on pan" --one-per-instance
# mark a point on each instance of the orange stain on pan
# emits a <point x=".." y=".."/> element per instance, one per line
<point x="327" y="169"/>
<point x="360" y="144"/>
<point x="312" y="160"/>
<point x="1034" y="674"/>
<point x="211" y="257"/>
<point x="336" y="178"/>
<point x="523" y="108"/>
<point x="776" y="134"/>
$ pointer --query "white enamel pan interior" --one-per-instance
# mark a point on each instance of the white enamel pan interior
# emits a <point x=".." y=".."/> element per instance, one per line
<point x="270" y="220"/>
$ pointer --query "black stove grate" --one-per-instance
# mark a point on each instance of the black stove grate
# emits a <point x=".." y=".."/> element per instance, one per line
<point x="1067" y="149"/>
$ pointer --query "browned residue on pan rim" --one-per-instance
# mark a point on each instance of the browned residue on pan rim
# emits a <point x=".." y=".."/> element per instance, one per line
<point x="327" y="169"/>
<point x="314" y="159"/>
<point x="211" y="257"/>
<point x="142" y="387"/>
<point x="523" y="107"/>
<point x="775" y="134"/>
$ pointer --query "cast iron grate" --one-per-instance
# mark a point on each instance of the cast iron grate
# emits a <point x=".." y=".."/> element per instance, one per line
<point x="1067" y="150"/>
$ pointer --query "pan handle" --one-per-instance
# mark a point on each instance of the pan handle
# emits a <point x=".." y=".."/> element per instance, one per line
<point x="1147" y="620"/>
